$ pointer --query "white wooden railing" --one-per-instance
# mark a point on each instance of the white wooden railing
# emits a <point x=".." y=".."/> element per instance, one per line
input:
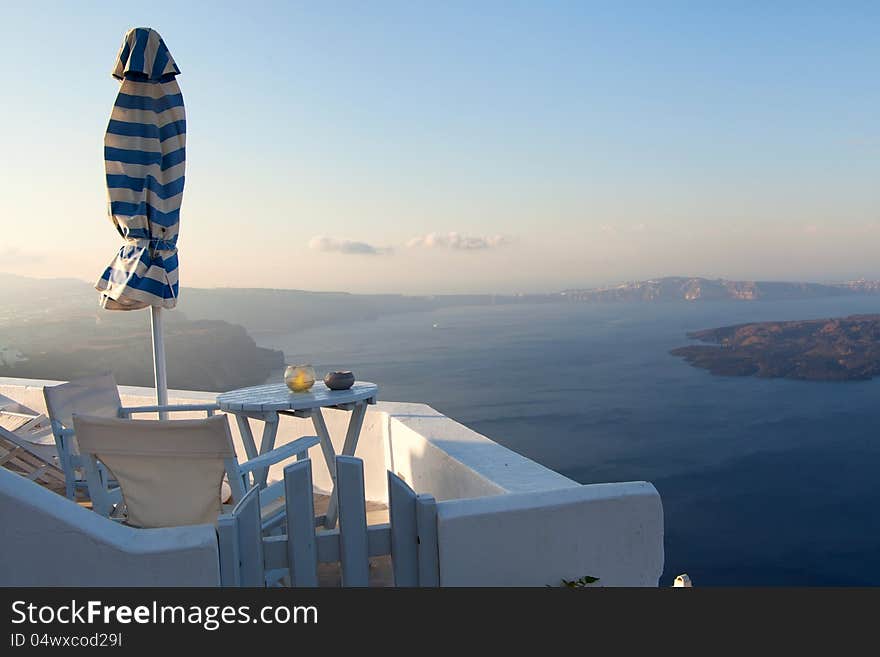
<point x="247" y="558"/>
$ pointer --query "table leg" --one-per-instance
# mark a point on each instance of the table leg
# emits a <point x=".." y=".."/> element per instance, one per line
<point x="329" y="454"/>
<point x="348" y="449"/>
<point x="247" y="436"/>
<point x="267" y="444"/>
<point x="354" y="429"/>
<point x="270" y="430"/>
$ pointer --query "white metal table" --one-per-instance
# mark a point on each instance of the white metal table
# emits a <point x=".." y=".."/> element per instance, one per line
<point x="266" y="402"/>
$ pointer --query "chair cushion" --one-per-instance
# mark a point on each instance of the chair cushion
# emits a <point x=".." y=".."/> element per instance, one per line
<point x="170" y="472"/>
<point x="168" y="492"/>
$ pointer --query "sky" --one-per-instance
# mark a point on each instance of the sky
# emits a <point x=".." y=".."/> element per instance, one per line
<point x="456" y="147"/>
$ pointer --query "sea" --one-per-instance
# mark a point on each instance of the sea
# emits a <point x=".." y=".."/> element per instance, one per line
<point x="763" y="481"/>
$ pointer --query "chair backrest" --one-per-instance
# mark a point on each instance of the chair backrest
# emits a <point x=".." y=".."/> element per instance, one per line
<point x="93" y="395"/>
<point x="170" y="471"/>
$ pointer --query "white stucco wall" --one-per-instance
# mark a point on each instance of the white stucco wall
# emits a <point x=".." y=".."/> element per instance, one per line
<point x="437" y="455"/>
<point x="50" y="541"/>
<point x="610" y="531"/>
<point x="502" y="518"/>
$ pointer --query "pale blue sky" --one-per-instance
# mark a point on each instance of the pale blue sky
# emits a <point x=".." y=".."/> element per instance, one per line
<point x="578" y="143"/>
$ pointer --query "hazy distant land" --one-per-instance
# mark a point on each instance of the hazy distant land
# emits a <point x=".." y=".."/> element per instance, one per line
<point x="201" y="355"/>
<point x="53" y="328"/>
<point x="269" y="310"/>
<point x="679" y="288"/>
<point x="815" y="350"/>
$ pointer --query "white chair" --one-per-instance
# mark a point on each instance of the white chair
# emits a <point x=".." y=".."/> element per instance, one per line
<point x="26" y="444"/>
<point x="170" y="471"/>
<point x="97" y="396"/>
<point x="31" y="460"/>
<point x="24" y="421"/>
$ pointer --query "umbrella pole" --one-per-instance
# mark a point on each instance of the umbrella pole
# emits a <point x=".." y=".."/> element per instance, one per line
<point x="159" y="359"/>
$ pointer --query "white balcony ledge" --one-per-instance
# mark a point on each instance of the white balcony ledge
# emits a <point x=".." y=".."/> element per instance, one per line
<point x="502" y="518"/>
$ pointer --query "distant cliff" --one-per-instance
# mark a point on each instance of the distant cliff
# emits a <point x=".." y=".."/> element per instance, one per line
<point x="861" y="286"/>
<point x="202" y="355"/>
<point x="816" y="350"/>
<point x="679" y="288"/>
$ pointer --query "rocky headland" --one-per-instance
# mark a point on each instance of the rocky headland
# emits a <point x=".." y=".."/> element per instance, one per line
<point x="841" y="349"/>
<point x="201" y="355"/>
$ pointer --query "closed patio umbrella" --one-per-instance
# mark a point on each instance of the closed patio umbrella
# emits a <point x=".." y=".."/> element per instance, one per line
<point x="144" y="160"/>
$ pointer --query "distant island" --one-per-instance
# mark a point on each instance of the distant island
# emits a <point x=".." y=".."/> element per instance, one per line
<point x="681" y="288"/>
<point x="843" y="349"/>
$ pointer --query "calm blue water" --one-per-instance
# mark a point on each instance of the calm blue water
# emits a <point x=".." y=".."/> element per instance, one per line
<point x="764" y="482"/>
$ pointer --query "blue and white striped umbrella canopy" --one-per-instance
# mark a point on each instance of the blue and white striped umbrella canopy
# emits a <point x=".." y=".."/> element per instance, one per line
<point x="144" y="159"/>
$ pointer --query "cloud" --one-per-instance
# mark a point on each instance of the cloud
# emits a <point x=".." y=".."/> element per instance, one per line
<point x="612" y="229"/>
<point x="457" y="241"/>
<point x="452" y="240"/>
<point x="322" y="243"/>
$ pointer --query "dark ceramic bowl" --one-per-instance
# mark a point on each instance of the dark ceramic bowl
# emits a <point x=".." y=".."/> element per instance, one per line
<point x="339" y="380"/>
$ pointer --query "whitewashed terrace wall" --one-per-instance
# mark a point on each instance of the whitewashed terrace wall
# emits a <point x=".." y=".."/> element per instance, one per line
<point x="610" y="531"/>
<point x="50" y="541"/>
<point x="502" y="518"/>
